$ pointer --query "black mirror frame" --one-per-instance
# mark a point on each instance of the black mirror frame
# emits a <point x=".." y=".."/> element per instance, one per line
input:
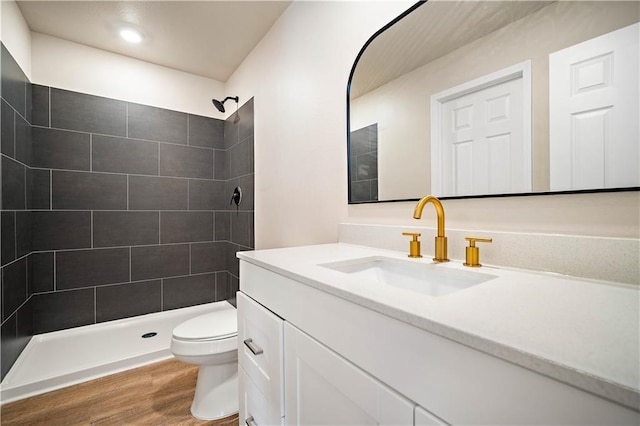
<point x="524" y="194"/>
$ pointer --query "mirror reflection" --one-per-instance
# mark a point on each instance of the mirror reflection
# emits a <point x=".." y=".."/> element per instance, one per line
<point x="476" y="98"/>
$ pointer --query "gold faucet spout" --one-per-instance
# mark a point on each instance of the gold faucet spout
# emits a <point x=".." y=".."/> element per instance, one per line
<point x="440" y="240"/>
<point x="417" y="213"/>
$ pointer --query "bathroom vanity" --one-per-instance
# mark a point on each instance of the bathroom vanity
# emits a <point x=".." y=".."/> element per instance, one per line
<point x="340" y="334"/>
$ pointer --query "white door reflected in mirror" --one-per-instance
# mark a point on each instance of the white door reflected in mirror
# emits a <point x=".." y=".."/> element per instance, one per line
<point x="594" y="137"/>
<point x="481" y="135"/>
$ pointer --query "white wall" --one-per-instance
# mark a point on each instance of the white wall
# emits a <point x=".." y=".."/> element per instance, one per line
<point x="298" y="75"/>
<point x="72" y="66"/>
<point x="15" y="34"/>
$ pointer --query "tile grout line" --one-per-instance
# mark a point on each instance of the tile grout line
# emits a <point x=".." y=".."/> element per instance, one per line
<point x="50" y="189"/>
<point x="117" y="247"/>
<point x="121" y="174"/>
<point x="15" y="160"/>
<point x="119" y="283"/>
<point x="49" y="99"/>
<point x="26" y="83"/>
<point x="15" y="132"/>
<point x="26" y="288"/>
<point x="130" y="139"/>
<point x="215" y="287"/>
<point x="95" y="305"/>
<point x="26" y="185"/>
<point x="15" y="243"/>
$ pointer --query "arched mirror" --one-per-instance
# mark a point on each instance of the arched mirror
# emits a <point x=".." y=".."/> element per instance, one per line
<point x="493" y="98"/>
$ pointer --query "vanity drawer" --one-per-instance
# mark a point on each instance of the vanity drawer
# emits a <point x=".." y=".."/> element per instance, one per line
<point x="260" y="352"/>
<point x="254" y="406"/>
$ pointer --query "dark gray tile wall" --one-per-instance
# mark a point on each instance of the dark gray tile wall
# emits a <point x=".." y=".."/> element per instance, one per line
<point x="188" y="291"/>
<point x="128" y="300"/>
<point x="87" y="113"/>
<point x="122" y="155"/>
<point x="159" y="261"/>
<point x="363" y="163"/>
<point x="236" y="225"/>
<point x="16" y="181"/>
<point x="186" y="161"/>
<point x="113" y="229"/>
<point x="157" y="124"/>
<point x="112" y="209"/>
<point x="158" y="193"/>
<point x="90" y="268"/>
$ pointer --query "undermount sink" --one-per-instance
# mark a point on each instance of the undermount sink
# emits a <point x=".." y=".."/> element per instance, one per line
<point x="425" y="278"/>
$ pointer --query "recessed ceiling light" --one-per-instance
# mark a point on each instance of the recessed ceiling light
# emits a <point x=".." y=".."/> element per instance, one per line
<point x="131" y="35"/>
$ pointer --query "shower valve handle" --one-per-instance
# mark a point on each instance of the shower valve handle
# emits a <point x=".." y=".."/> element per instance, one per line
<point x="236" y="197"/>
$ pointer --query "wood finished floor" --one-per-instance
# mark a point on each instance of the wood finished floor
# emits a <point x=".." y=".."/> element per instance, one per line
<point x="157" y="394"/>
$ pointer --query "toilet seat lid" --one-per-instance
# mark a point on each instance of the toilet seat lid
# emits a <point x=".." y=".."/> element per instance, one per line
<point x="220" y="324"/>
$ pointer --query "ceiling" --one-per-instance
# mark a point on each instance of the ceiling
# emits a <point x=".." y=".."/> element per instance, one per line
<point x="206" y="38"/>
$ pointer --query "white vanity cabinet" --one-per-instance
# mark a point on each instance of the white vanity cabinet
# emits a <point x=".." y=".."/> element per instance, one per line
<point x="349" y="364"/>
<point x="260" y="360"/>
<point x="323" y="388"/>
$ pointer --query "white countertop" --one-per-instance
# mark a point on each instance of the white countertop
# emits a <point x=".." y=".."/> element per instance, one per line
<point x="582" y="332"/>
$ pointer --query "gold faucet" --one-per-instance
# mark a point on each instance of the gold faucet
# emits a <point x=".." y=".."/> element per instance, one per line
<point x="441" y="240"/>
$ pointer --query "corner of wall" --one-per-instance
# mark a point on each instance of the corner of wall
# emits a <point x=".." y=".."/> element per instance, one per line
<point x="15" y="34"/>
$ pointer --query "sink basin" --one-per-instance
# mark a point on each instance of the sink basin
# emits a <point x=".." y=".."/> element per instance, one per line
<point x="425" y="278"/>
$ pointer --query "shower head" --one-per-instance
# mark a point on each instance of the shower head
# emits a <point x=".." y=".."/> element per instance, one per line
<point x="220" y="105"/>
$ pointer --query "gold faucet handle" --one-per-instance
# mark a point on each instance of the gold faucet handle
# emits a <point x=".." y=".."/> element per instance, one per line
<point x="473" y="252"/>
<point x="474" y="240"/>
<point x="414" y="244"/>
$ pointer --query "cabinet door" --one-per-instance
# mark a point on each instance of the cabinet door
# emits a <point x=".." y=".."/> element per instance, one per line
<point x="322" y="388"/>
<point x="260" y="335"/>
<point x="425" y="418"/>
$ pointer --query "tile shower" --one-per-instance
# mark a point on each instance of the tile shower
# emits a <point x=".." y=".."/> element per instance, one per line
<point x="112" y="209"/>
<point x="363" y="161"/>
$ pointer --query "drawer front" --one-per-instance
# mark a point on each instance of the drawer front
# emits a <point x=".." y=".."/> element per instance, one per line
<point x="260" y="350"/>
<point x="254" y="406"/>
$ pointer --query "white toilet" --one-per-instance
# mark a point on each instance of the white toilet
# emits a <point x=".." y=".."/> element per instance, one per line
<point x="211" y="342"/>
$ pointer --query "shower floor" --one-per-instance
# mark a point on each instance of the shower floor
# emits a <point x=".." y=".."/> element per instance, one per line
<point x="63" y="358"/>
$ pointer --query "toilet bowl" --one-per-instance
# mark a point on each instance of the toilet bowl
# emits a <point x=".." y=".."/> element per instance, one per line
<point x="210" y="341"/>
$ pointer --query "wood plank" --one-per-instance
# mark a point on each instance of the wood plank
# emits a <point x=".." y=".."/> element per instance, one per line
<point x="157" y="394"/>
